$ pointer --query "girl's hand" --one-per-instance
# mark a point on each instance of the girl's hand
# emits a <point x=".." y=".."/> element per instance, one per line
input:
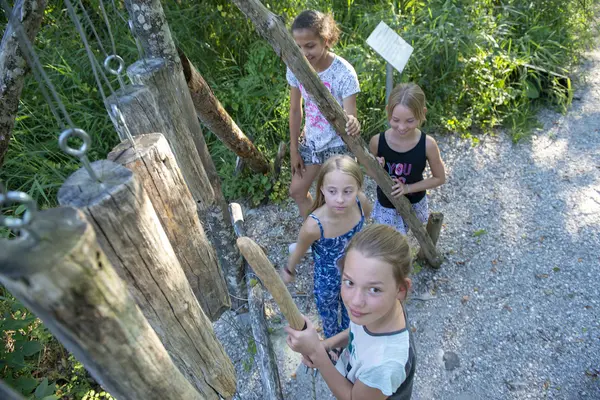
<point x="297" y="163"/>
<point x="400" y="189"/>
<point x="306" y="361"/>
<point x="287" y="275"/>
<point x="352" y="126"/>
<point x="381" y="161"/>
<point x="306" y="342"/>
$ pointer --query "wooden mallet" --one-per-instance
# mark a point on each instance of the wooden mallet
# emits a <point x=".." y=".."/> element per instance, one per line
<point x="267" y="273"/>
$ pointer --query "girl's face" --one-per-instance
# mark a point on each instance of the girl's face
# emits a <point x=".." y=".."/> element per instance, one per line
<point x="369" y="290"/>
<point x="311" y="45"/>
<point x="403" y="121"/>
<point x="340" y="191"/>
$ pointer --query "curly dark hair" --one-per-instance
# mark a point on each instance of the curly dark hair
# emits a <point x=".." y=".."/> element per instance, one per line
<point x="321" y="24"/>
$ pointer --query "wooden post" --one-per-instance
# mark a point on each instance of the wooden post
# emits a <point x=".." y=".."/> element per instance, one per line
<point x="163" y="83"/>
<point x="264" y="348"/>
<point x="61" y="274"/>
<point x="153" y="163"/>
<point x="434" y="227"/>
<point x="213" y="115"/>
<point x="130" y="234"/>
<point x="275" y="32"/>
<point x="139" y="109"/>
<point x="151" y="28"/>
<point x="13" y="63"/>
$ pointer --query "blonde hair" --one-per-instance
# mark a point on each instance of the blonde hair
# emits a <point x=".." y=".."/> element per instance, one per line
<point x="385" y="244"/>
<point x="411" y="96"/>
<point x="323" y="25"/>
<point x="343" y="164"/>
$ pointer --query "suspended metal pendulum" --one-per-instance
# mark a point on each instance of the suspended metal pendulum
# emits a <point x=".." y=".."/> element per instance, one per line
<point x="13" y="223"/>
<point x="121" y="120"/>
<point x="81" y="152"/>
<point x="137" y="43"/>
<point x="117" y="72"/>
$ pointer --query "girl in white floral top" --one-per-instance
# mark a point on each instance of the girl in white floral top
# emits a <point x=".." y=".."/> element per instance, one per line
<point x="315" y="33"/>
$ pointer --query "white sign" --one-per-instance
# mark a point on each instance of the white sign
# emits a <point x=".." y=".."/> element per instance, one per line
<point x="389" y="45"/>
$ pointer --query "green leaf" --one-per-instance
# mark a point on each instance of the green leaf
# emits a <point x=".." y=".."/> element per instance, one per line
<point x="479" y="233"/>
<point x="44" y="389"/>
<point x="16" y="324"/>
<point x="51" y="397"/>
<point x="31" y="348"/>
<point x="531" y="91"/>
<point x="15" y="359"/>
<point x="25" y="384"/>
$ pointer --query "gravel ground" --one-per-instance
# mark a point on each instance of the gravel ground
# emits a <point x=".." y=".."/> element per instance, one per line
<point x="514" y="312"/>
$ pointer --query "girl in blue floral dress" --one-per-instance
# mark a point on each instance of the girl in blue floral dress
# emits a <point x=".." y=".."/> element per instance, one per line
<point x="339" y="211"/>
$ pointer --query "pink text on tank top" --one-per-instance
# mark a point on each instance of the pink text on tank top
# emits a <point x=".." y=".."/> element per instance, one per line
<point x="399" y="169"/>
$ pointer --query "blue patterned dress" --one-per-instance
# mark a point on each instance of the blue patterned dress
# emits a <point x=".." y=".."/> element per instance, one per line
<point x="326" y="252"/>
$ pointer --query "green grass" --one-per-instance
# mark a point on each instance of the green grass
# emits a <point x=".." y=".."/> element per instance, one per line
<point x="473" y="59"/>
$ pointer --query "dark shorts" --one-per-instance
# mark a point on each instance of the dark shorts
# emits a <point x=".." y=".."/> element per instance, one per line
<point x="311" y="157"/>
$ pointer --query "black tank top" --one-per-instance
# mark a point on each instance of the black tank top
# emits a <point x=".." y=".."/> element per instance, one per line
<point x="407" y="167"/>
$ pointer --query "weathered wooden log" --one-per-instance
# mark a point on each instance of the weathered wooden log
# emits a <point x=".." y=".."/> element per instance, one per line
<point x="163" y="82"/>
<point x="62" y="275"/>
<point x="434" y="227"/>
<point x="264" y="348"/>
<point x="154" y="165"/>
<point x="13" y="64"/>
<point x="213" y="115"/>
<point x="133" y="239"/>
<point x="151" y="28"/>
<point x="270" y="278"/>
<point x="274" y="31"/>
<point x="139" y="109"/>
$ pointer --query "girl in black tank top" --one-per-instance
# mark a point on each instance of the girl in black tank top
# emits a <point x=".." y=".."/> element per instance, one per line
<point x="404" y="167"/>
<point x="404" y="151"/>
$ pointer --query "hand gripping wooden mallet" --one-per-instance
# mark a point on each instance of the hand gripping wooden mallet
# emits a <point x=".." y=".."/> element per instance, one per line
<point x="267" y="273"/>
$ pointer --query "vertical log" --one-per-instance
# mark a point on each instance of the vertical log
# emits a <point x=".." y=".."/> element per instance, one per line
<point x="68" y="282"/>
<point x="213" y="115"/>
<point x="13" y="64"/>
<point x="151" y="28"/>
<point x="139" y="109"/>
<point x="264" y="348"/>
<point x="153" y="163"/>
<point x="162" y="81"/>
<point x="275" y="32"/>
<point x="130" y="233"/>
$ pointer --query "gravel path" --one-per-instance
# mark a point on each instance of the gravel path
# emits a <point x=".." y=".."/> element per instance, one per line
<point x="514" y="312"/>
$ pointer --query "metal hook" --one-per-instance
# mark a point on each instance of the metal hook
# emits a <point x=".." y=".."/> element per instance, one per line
<point x="119" y="71"/>
<point x="81" y="152"/>
<point x="14" y="223"/>
<point x="121" y="120"/>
